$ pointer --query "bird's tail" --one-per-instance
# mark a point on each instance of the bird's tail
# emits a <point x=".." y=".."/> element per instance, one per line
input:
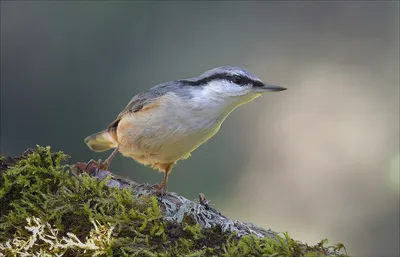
<point x="102" y="141"/>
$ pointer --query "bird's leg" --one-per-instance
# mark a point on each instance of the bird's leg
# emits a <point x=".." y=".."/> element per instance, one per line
<point x="106" y="164"/>
<point x="162" y="187"/>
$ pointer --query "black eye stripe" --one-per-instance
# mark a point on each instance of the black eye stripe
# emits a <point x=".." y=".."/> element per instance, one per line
<point x="240" y="80"/>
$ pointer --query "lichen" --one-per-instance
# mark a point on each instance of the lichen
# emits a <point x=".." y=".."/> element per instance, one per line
<point x="46" y="211"/>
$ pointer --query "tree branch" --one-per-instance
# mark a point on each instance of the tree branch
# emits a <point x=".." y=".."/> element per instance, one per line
<point x="176" y="207"/>
<point x="45" y="211"/>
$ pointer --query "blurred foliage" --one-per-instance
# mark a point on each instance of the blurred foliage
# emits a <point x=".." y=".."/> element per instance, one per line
<point x="394" y="172"/>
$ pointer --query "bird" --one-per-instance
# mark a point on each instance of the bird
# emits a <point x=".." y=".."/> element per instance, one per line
<point x="166" y="123"/>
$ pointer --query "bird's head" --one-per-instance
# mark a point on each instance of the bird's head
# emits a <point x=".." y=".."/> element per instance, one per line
<point x="231" y="83"/>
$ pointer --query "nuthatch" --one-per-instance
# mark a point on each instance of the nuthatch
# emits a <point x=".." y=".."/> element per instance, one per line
<point x="167" y="122"/>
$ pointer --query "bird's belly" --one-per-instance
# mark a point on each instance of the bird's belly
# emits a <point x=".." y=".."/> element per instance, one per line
<point x="156" y="138"/>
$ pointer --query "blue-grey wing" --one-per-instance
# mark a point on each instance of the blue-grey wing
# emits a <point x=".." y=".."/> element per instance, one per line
<point x="147" y="97"/>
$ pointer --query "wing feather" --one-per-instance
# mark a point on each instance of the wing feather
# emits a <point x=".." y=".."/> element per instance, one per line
<point x="139" y="101"/>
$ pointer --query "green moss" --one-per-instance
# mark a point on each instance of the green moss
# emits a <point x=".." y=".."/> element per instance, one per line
<point x="47" y="211"/>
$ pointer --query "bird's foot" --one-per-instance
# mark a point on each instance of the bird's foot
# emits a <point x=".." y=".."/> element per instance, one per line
<point x="92" y="167"/>
<point x="160" y="189"/>
<point x="100" y="164"/>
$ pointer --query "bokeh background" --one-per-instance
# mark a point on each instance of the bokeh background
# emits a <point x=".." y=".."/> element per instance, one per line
<point x="320" y="160"/>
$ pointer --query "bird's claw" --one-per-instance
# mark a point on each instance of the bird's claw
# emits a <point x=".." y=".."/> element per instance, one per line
<point x="160" y="189"/>
<point x="203" y="200"/>
<point x="93" y="167"/>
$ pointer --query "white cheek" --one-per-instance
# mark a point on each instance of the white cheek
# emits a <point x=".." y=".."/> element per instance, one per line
<point x="222" y="97"/>
<point x="226" y="88"/>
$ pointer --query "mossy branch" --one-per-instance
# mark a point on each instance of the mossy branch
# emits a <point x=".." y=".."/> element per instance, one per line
<point x="176" y="208"/>
<point x="46" y="211"/>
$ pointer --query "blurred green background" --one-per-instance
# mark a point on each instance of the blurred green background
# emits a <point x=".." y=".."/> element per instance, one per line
<point x="318" y="160"/>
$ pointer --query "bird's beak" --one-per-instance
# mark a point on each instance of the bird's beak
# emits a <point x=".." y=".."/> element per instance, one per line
<point x="269" y="88"/>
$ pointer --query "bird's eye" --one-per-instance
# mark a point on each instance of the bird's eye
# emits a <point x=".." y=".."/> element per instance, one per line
<point x="237" y="79"/>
